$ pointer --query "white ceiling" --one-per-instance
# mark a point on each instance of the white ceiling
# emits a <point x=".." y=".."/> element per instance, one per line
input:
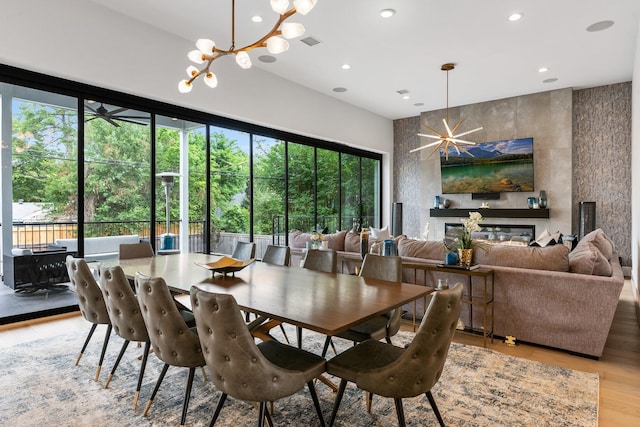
<point x="494" y="58"/>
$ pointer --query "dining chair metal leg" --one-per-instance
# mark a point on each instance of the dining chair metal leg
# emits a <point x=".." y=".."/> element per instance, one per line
<point x="336" y="405"/>
<point x="155" y="390"/>
<point x="86" y="342"/>
<point x="223" y="397"/>
<point x="125" y="344"/>
<point x="435" y="408"/>
<point x="104" y="350"/>
<point x="316" y="403"/>
<point x="268" y="416"/>
<point x="261" y="413"/>
<point x="187" y="395"/>
<point x="145" y="356"/>
<point x="400" y="412"/>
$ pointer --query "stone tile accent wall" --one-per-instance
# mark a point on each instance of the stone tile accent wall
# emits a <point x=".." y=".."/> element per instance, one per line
<point x="582" y="141"/>
<point x="602" y="160"/>
<point x="544" y="116"/>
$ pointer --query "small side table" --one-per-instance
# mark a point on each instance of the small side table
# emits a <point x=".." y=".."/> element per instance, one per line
<point x="484" y="300"/>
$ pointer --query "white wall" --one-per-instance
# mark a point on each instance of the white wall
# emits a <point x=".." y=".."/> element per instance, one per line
<point x="84" y="42"/>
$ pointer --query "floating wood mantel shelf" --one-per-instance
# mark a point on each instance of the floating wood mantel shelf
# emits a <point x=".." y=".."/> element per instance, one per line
<point x="491" y="213"/>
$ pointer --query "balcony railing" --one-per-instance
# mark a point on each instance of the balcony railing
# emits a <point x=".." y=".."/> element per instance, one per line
<point x="39" y="235"/>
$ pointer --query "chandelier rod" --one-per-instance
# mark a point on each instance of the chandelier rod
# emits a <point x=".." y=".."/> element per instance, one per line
<point x="233" y="24"/>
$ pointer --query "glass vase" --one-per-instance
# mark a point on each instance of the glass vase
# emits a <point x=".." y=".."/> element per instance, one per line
<point x="465" y="256"/>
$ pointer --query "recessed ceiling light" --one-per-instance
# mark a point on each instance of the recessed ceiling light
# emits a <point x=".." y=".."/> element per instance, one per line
<point x="551" y="80"/>
<point x="339" y="89"/>
<point x="267" y="59"/>
<point x="387" y="13"/>
<point x="599" y="26"/>
<point x="402" y="91"/>
<point x="256" y="18"/>
<point x="346" y="66"/>
<point x="406" y="97"/>
<point x="418" y="104"/>
<point x="543" y="69"/>
<point x="516" y="16"/>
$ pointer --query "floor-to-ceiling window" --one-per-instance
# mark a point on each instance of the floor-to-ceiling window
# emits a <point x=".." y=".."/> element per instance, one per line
<point x="117" y="164"/>
<point x="269" y="188"/>
<point x="106" y="163"/>
<point x="44" y="167"/>
<point x="230" y="194"/>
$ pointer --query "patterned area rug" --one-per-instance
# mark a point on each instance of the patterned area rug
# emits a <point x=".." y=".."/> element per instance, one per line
<point x="40" y="385"/>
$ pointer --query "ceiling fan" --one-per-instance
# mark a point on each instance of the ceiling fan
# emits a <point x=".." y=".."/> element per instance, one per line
<point x="110" y="116"/>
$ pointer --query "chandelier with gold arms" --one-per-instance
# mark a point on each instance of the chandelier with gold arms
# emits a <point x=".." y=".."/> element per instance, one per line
<point x="207" y="51"/>
<point x="448" y="139"/>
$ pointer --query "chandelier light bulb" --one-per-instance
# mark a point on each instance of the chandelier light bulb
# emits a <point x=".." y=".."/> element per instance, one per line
<point x="277" y="45"/>
<point x="243" y="60"/>
<point x="184" y="86"/>
<point x="280" y="6"/>
<point x="192" y="71"/>
<point x="205" y="46"/>
<point x="291" y="30"/>
<point x="196" y="56"/>
<point x="211" y="80"/>
<point x="304" y="6"/>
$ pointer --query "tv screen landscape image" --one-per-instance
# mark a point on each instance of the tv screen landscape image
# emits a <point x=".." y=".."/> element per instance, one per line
<point x="495" y="167"/>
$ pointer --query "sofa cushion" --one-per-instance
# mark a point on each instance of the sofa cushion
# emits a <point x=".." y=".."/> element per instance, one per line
<point x="551" y="258"/>
<point x="426" y="249"/>
<point x="598" y="239"/>
<point x="588" y="259"/>
<point x="336" y="240"/>
<point x="299" y="239"/>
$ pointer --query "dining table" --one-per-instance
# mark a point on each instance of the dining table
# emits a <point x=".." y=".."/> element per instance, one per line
<point x="328" y="303"/>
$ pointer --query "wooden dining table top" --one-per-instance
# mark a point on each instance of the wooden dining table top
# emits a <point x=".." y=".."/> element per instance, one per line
<point x="328" y="303"/>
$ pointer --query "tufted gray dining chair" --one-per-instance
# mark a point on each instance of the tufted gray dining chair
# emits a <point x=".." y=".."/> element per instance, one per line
<point x="274" y="255"/>
<point x="126" y="318"/>
<point x="384" y="326"/>
<point x="244" y="251"/>
<point x="173" y="341"/>
<point x="243" y="370"/>
<point x="277" y="255"/>
<point x="386" y="370"/>
<point x="91" y="303"/>
<point x="321" y="260"/>
<point x="135" y="250"/>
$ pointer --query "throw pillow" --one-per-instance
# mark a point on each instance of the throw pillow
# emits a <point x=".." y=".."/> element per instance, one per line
<point x="546" y="239"/>
<point x="380" y="233"/>
<point x="587" y="259"/>
<point x="598" y="239"/>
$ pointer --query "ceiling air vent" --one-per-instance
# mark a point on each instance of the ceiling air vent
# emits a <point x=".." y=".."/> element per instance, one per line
<point x="310" y="41"/>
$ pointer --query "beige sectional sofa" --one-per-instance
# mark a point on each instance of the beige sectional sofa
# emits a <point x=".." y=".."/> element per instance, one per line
<point x="547" y="296"/>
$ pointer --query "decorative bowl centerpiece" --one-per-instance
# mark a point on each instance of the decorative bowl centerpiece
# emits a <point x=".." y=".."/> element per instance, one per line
<point x="226" y="265"/>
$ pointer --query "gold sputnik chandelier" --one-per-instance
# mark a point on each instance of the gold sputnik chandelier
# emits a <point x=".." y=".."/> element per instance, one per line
<point x="207" y="51"/>
<point x="450" y="138"/>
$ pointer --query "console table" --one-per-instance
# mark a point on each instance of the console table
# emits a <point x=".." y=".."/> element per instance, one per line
<point x="484" y="300"/>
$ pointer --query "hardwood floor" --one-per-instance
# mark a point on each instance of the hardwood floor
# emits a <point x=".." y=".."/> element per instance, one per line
<point x="619" y="367"/>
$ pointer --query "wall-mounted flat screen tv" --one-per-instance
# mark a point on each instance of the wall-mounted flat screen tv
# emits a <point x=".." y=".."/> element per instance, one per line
<point x="495" y="167"/>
